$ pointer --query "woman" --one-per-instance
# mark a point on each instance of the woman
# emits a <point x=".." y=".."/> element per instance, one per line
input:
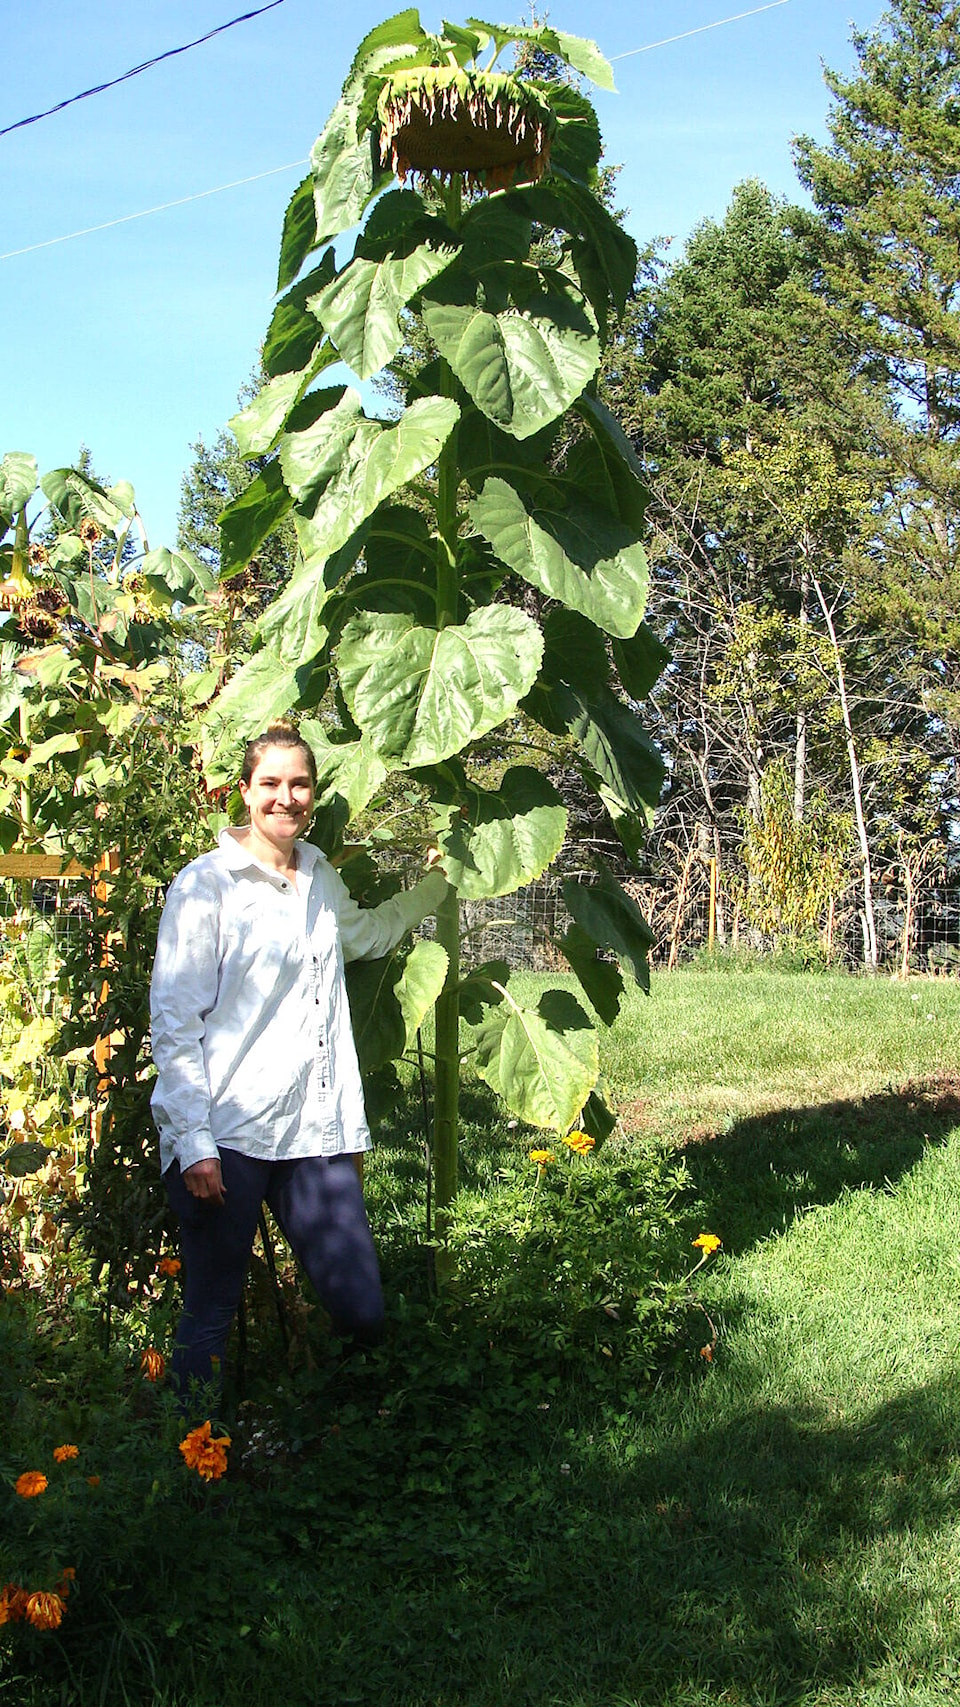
<point x="258" y="1096"/>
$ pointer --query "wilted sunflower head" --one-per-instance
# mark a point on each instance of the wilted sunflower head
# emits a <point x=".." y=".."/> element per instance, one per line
<point x="37" y="555"/>
<point x="37" y="622"/>
<point x="485" y="125"/>
<point x="89" y="532"/>
<point x="52" y="598"/>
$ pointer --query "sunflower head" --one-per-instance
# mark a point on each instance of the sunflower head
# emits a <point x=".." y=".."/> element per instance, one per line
<point x="52" y="599"/>
<point x="37" y="556"/>
<point x="89" y="531"/>
<point x="37" y="622"/>
<point x="487" y="126"/>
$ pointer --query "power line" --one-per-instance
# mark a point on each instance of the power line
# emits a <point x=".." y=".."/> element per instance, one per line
<point x="171" y="53"/>
<point x="769" y="7"/>
<point x="126" y="217"/>
<point x="199" y="195"/>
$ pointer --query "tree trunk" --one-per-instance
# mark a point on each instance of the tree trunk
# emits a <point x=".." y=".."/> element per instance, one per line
<point x="869" y="923"/>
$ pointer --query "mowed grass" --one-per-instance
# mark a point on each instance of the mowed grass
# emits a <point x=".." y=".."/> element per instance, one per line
<point x="777" y="1527"/>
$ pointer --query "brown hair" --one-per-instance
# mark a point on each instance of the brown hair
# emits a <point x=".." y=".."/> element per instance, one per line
<point x="283" y="733"/>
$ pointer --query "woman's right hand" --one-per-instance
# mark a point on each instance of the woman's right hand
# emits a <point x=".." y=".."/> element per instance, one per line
<point x="205" y="1180"/>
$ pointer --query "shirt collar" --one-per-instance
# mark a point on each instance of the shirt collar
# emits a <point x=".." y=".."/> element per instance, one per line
<point x="238" y="857"/>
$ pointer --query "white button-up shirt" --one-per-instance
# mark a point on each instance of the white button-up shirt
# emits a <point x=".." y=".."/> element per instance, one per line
<point x="250" y="1024"/>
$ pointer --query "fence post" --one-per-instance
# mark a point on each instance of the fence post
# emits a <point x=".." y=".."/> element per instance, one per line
<point x="103" y="1046"/>
<point x="712" y="921"/>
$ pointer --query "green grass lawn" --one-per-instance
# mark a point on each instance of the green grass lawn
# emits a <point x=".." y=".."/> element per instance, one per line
<point x="462" y="1525"/>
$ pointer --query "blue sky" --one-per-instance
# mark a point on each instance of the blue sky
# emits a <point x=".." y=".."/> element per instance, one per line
<point x="135" y="340"/>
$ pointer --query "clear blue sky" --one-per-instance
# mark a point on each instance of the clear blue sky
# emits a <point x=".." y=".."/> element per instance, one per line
<point x="136" y="340"/>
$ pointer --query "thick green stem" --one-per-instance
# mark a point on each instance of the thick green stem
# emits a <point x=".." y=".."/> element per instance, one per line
<point x="447" y="1091"/>
<point x="447" y="1082"/>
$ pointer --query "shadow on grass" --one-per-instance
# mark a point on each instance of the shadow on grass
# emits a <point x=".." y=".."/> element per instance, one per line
<point x="773" y="1559"/>
<point x="756" y="1178"/>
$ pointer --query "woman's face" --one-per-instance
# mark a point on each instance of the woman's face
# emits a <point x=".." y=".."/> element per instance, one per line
<point x="279" y="795"/>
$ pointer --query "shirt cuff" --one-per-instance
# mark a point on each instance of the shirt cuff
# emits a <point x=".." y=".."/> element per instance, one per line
<point x="198" y="1147"/>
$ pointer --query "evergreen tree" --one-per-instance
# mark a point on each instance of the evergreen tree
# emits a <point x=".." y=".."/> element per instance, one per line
<point x="887" y="189"/>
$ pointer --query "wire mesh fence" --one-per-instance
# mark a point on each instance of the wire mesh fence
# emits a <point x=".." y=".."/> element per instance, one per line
<point x="918" y="935"/>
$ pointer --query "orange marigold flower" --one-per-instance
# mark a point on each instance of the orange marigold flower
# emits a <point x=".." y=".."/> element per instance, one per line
<point x="543" y="1158"/>
<point x="153" y="1364"/>
<point x="62" y="1453"/>
<point x="44" y="1610"/>
<point x="30" y="1484"/>
<point x="93" y="1481"/>
<point x="169" y="1266"/>
<point x="706" y="1351"/>
<point x="204" y="1454"/>
<point x="13" y="1599"/>
<point x="67" y="1576"/>
<point x="707" y="1243"/>
<point x="580" y="1142"/>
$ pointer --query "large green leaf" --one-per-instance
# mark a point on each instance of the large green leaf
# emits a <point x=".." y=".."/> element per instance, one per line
<point x="294" y="335"/>
<point x="611" y="919"/>
<point x="312" y="450"/>
<point x="261" y="691"/>
<point x="521" y="341"/>
<point x="421" y="694"/>
<point x="542" y="1061"/>
<point x="597" y="1119"/>
<point x="568" y="547"/>
<point x="376" y="462"/>
<point x="577" y="143"/>
<point x="76" y="497"/>
<point x="507" y="837"/>
<point x="346" y="172"/>
<point x="400" y="251"/>
<point x="18" y="482"/>
<point x="350" y="769"/>
<point x="390" y="998"/>
<point x="177" y="576"/>
<point x="258" y="427"/>
<point x="299" y="232"/>
<point x="565" y="205"/>
<point x="583" y="55"/>
<point x="600" y="980"/>
<point x="251" y="517"/>
<point x="628" y="769"/>
<point x="640" y="661"/>
<point x="423" y="979"/>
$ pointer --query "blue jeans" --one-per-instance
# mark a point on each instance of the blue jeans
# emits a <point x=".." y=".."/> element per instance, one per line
<point x="317" y="1202"/>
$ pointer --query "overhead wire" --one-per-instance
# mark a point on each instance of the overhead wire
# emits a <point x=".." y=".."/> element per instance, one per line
<point x="171" y="53"/>
<point x="125" y="218"/>
<point x="699" y="31"/>
<point x="272" y="171"/>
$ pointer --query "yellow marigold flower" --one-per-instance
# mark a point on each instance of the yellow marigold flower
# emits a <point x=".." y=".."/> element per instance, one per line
<point x="62" y="1453"/>
<point x="13" y="1599"/>
<point x="542" y="1157"/>
<point x="153" y="1364"/>
<point x="581" y="1142"/>
<point x="206" y="1455"/>
<point x="707" y="1243"/>
<point x="169" y="1266"/>
<point x="44" y="1610"/>
<point x="30" y="1484"/>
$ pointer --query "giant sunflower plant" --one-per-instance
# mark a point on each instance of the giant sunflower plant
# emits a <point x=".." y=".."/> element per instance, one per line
<point x="401" y="637"/>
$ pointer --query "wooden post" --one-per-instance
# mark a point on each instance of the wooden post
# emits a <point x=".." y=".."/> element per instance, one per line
<point x="712" y="922"/>
<point x="103" y="1047"/>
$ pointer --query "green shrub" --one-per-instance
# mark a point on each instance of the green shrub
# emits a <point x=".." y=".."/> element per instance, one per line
<point x="581" y="1258"/>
